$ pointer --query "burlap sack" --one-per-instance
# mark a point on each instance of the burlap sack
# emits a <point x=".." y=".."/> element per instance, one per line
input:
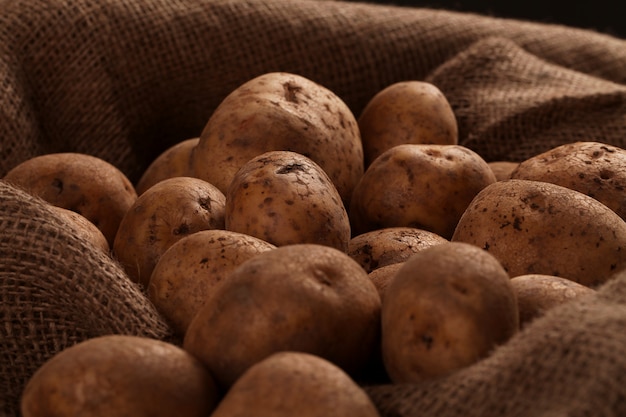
<point x="124" y="79"/>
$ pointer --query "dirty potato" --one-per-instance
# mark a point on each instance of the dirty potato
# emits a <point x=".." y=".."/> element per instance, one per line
<point x="284" y="198"/>
<point x="410" y="111"/>
<point x="281" y="111"/>
<point x="163" y="214"/>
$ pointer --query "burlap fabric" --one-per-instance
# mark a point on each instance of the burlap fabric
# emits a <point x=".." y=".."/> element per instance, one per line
<point x="124" y="79"/>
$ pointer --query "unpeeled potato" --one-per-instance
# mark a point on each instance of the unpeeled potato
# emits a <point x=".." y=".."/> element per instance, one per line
<point x="411" y="111"/>
<point x="295" y="383"/>
<point x="83" y="228"/>
<point x="83" y="183"/>
<point x="163" y="214"/>
<point x="119" y="375"/>
<point x="503" y="169"/>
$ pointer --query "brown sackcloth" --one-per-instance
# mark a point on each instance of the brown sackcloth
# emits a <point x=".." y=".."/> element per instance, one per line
<point x="124" y="79"/>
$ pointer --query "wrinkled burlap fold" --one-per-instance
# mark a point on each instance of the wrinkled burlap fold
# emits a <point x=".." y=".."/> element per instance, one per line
<point x="124" y="79"/>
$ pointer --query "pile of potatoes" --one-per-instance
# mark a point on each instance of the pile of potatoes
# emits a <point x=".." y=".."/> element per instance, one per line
<point x="300" y="253"/>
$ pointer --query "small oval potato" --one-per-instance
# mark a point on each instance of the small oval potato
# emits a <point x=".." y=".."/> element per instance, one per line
<point x="175" y="161"/>
<point x="390" y="245"/>
<point x="163" y="214"/>
<point x="295" y="383"/>
<point x="305" y="297"/>
<point x="281" y="111"/>
<point x="448" y="307"/>
<point x="535" y="227"/>
<point x="190" y="269"/>
<point x="592" y="168"/>
<point x="86" y="184"/>
<point x="418" y="185"/>
<point x="406" y="112"/>
<point x="118" y="375"/>
<point x="503" y="169"/>
<point x="83" y="227"/>
<point x="285" y="198"/>
<point x="538" y="293"/>
<point x="381" y="277"/>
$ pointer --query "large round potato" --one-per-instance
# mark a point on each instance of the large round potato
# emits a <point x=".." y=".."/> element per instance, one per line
<point x="190" y="269"/>
<point x="287" y="383"/>
<point x="88" y="185"/>
<point x="535" y="227"/>
<point x="448" y="306"/>
<point x="593" y="168"/>
<point x="162" y="215"/>
<point x="425" y="186"/>
<point x="117" y="375"/>
<point x="305" y="297"/>
<point x="410" y="111"/>
<point x="284" y="198"/>
<point x="281" y="111"/>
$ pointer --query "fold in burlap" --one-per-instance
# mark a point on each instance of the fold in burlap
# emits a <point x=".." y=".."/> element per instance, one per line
<point x="124" y="79"/>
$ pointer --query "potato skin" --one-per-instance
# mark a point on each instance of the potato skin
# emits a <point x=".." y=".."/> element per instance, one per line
<point x="285" y="198"/>
<point x="503" y="169"/>
<point x="592" y="168"/>
<point x="535" y="227"/>
<point x="447" y="307"/>
<point x="425" y="186"/>
<point x="537" y="293"/>
<point x="83" y="227"/>
<point x="175" y="161"/>
<point x="118" y="375"/>
<point x="304" y="297"/>
<point x="188" y="272"/>
<point x="313" y="386"/>
<point x="86" y="184"/>
<point x="163" y="214"/>
<point x="378" y="248"/>
<point x="410" y="111"/>
<point x="281" y="111"/>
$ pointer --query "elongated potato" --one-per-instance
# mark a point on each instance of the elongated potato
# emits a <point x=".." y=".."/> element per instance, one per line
<point x="535" y="227"/>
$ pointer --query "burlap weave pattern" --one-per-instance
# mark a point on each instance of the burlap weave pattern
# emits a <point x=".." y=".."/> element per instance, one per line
<point x="124" y="79"/>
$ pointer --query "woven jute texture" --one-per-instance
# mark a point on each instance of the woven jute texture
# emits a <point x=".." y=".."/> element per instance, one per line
<point x="124" y="79"/>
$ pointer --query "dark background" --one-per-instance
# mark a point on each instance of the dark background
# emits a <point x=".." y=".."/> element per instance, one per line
<point x="601" y="15"/>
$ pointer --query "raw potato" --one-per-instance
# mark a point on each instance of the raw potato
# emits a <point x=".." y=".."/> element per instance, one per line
<point x="535" y="227"/>
<point x="538" y="293"/>
<point x="593" y="168"/>
<point x="305" y="297"/>
<point x="83" y="227"/>
<point x="418" y="185"/>
<point x="189" y="271"/>
<point x="503" y="169"/>
<point x="294" y="383"/>
<point x="448" y="307"/>
<point x="173" y="162"/>
<point x="281" y="111"/>
<point x="390" y="245"/>
<point x="165" y="213"/>
<point x="82" y="183"/>
<point x="381" y="277"/>
<point x="285" y="198"/>
<point x="406" y="112"/>
<point x="118" y="375"/>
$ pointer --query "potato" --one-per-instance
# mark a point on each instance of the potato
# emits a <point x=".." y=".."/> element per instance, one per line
<point x="449" y="306"/>
<point x="163" y="214"/>
<point x="535" y="227"/>
<point x="285" y="198"/>
<point x="304" y="297"/>
<point x="295" y="383"/>
<point x="593" y="168"/>
<point x="423" y="186"/>
<point x="118" y="375"/>
<point x="537" y="293"/>
<point x="381" y="277"/>
<point x="503" y="169"/>
<point x="83" y="227"/>
<point x="390" y="245"/>
<point x="86" y="184"/>
<point x="281" y="111"/>
<point x="175" y="161"/>
<point x="410" y="111"/>
<point x="190" y="269"/>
